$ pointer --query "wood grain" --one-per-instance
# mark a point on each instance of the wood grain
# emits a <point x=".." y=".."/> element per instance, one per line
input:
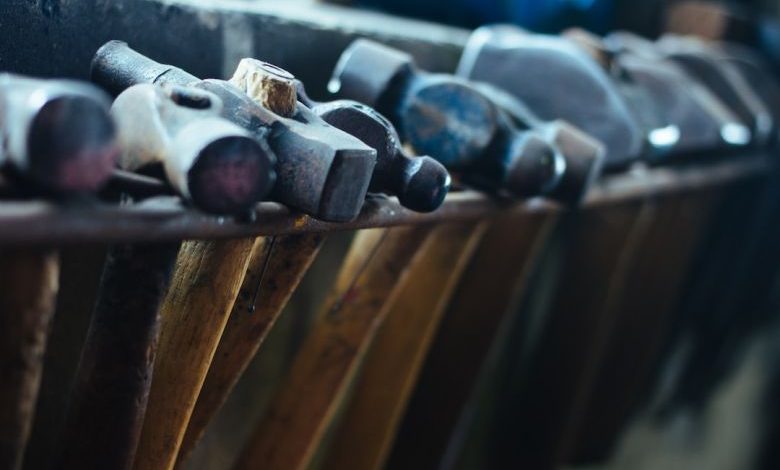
<point x="205" y="284"/>
<point x="111" y="388"/>
<point x="275" y="270"/>
<point x="394" y="359"/>
<point x="29" y="279"/>
<point x="308" y="399"/>
<point x="491" y="286"/>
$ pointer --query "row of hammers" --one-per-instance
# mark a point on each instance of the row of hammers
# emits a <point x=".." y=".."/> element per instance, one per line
<point x="176" y="325"/>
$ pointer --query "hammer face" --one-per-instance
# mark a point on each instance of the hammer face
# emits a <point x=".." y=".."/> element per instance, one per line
<point x="449" y="119"/>
<point x="529" y="66"/>
<point x="214" y="163"/>
<point x="367" y="70"/>
<point x="57" y="133"/>
<point x="325" y="172"/>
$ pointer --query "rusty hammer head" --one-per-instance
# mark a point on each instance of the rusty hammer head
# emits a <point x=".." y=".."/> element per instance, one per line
<point x="57" y="133"/>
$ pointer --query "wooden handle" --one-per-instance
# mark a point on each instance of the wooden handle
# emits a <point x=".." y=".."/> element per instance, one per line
<point x="205" y="284"/>
<point x="394" y="359"/>
<point x="30" y="281"/>
<point x="602" y="246"/>
<point x="491" y="287"/>
<point x="642" y="314"/>
<point x="275" y="270"/>
<point x="111" y="389"/>
<point x="307" y="400"/>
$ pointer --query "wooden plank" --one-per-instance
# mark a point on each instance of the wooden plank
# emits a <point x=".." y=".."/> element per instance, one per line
<point x="392" y="365"/>
<point x="205" y="284"/>
<point x="643" y="314"/>
<point x="30" y="282"/>
<point x="111" y="388"/>
<point x="540" y="404"/>
<point x="272" y="276"/>
<point x="492" y="285"/>
<point x="306" y="403"/>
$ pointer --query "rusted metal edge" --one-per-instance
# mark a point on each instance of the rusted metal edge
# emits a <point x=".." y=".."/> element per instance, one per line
<point x="164" y="218"/>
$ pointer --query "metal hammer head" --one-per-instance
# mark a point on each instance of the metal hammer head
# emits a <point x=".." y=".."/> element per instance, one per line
<point x="323" y="170"/>
<point x="420" y="183"/>
<point x="449" y="119"/>
<point x="57" y="133"/>
<point x="210" y="161"/>
<point x="529" y="66"/>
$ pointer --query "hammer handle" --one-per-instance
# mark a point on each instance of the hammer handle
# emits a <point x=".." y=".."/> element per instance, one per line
<point x="117" y="67"/>
<point x="112" y="382"/>
<point x="27" y="301"/>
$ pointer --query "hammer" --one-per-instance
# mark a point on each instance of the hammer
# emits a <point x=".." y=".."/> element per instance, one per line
<point x="56" y="134"/>
<point x="451" y="120"/>
<point x="322" y="171"/>
<point x="420" y="183"/>
<point x="213" y="163"/>
<point x="528" y="66"/>
<point x="680" y="116"/>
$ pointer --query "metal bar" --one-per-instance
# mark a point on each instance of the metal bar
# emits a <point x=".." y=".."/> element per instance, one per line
<point x="164" y="219"/>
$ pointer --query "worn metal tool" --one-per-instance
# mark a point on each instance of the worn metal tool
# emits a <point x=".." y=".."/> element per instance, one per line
<point x="724" y="80"/>
<point x="449" y="119"/>
<point x="528" y="66"/>
<point x="210" y="161"/>
<point x="680" y="116"/>
<point x="56" y="133"/>
<point x="322" y="171"/>
<point x="583" y="154"/>
<point x="421" y="183"/>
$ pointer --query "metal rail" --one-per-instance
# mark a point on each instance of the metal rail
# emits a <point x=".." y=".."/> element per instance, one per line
<point x="165" y="218"/>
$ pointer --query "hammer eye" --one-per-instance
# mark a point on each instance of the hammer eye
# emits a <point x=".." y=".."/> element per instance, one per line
<point x="189" y="97"/>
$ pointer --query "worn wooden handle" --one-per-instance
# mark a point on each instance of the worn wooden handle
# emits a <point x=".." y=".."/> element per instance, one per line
<point x="111" y="389"/>
<point x="275" y="270"/>
<point x="307" y="400"/>
<point x="393" y="361"/>
<point x="205" y="284"/>
<point x="29" y="279"/>
<point x="491" y="286"/>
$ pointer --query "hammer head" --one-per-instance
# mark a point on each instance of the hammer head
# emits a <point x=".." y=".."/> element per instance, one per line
<point x="323" y="170"/>
<point x="679" y="116"/>
<point x="529" y="66"/>
<point x="368" y="71"/>
<point x="420" y="183"/>
<point x="704" y="64"/>
<point x="212" y="162"/>
<point x="583" y="155"/>
<point x="57" y="133"/>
